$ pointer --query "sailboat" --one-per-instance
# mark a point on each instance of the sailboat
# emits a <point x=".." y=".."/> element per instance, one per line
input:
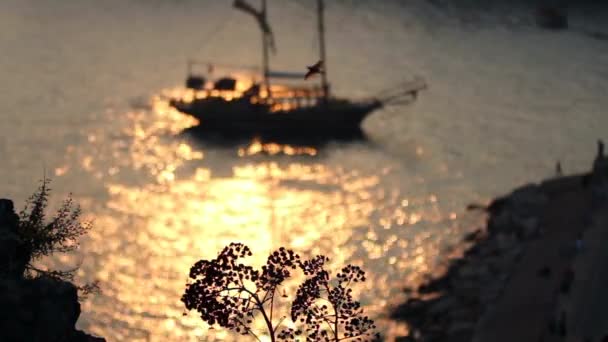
<point x="267" y="109"/>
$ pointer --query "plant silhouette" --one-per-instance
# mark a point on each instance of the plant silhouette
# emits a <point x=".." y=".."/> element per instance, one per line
<point x="232" y="295"/>
<point x="41" y="237"/>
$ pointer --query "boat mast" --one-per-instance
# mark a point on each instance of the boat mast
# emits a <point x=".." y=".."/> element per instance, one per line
<point x="324" y="84"/>
<point x="265" y="38"/>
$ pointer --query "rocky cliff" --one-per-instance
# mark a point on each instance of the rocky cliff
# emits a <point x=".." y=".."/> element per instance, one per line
<point x="39" y="309"/>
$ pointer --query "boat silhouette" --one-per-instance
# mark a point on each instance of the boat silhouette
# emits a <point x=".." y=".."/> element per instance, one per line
<point x="266" y="109"/>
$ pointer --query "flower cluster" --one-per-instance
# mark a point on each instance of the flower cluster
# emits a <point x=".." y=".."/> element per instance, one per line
<point x="232" y="295"/>
<point x="218" y="292"/>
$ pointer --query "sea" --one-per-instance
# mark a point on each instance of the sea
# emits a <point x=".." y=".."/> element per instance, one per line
<point x="84" y="101"/>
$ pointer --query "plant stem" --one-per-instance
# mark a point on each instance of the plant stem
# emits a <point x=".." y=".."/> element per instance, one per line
<point x="272" y="303"/>
<point x="263" y="311"/>
<point x="337" y="314"/>
<point x="268" y="321"/>
<point x="261" y="308"/>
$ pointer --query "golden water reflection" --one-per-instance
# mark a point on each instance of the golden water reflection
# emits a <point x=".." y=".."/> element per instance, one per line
<point x="257" y="147"/>
<point x="168" y="204"/>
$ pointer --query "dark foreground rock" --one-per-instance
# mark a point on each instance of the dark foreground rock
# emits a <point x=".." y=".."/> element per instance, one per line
<point x="40" y="309"/>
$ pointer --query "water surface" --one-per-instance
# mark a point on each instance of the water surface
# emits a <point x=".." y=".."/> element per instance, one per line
<point x="84" y="100"/>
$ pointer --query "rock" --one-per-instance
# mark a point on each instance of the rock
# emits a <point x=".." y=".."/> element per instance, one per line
<point x="12" y="260"/>
<point x="497" y="205"/>
<point x="40" y="309"/>
<point x="466" y="290"/>
<point x="461" y="336"/>
<point x="504" y="242"/>
<point x="412" y="310"/>
<point x="463" y="314"/>
<point x="435" y="285"/>
<point x="527" y="228"/>
<point x="9" y="243"/>
<point x="527" y="201"/>
<point x="474" y="236"/>
<point x="482" y="268"/>
<point x="489" y="249"/>
<point x="599" y="193"/>
<point x="473" y="252"/>
<point x="442" y="305"/>
<point x="561" y="185"/>
<point x="500" y="222"/>
<point x="8" y="217"/>
<point x="467" y="271"/>
<point x="522" y="206"/>
<point x="513" y="255"/>
<point x="500" y="266"/>
<point x="523" y="192"/>
<point x="496" y="265"/>
<point x="474" y="282"/>
<point x="490" y="293"/>
<point x="551" y="18"/>
<point x="460" y="327"/>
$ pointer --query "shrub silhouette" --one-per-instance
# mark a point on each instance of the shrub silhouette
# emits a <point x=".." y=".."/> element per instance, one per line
<point x="40" y="238"/>
<point x="232" y="295"/>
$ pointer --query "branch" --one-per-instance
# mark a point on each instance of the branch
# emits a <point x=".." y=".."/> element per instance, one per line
<point x="278" y="325"/>
<point x="336" y="312"/>
<point x="327" y="321"/>
<point x="348" y="338"/>
<point x="261" y="308"/>
<point x="250" y="331"/>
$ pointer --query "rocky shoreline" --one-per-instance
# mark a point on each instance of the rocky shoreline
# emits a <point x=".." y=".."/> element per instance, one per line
<point x="33" y="309"/>
<point x="506" y="284"/>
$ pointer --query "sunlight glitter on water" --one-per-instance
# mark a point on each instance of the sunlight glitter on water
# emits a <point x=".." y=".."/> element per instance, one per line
<point x="167" y="206"/>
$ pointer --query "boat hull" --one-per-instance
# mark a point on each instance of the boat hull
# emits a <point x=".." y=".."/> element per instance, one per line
<point x="336" y="118"/>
